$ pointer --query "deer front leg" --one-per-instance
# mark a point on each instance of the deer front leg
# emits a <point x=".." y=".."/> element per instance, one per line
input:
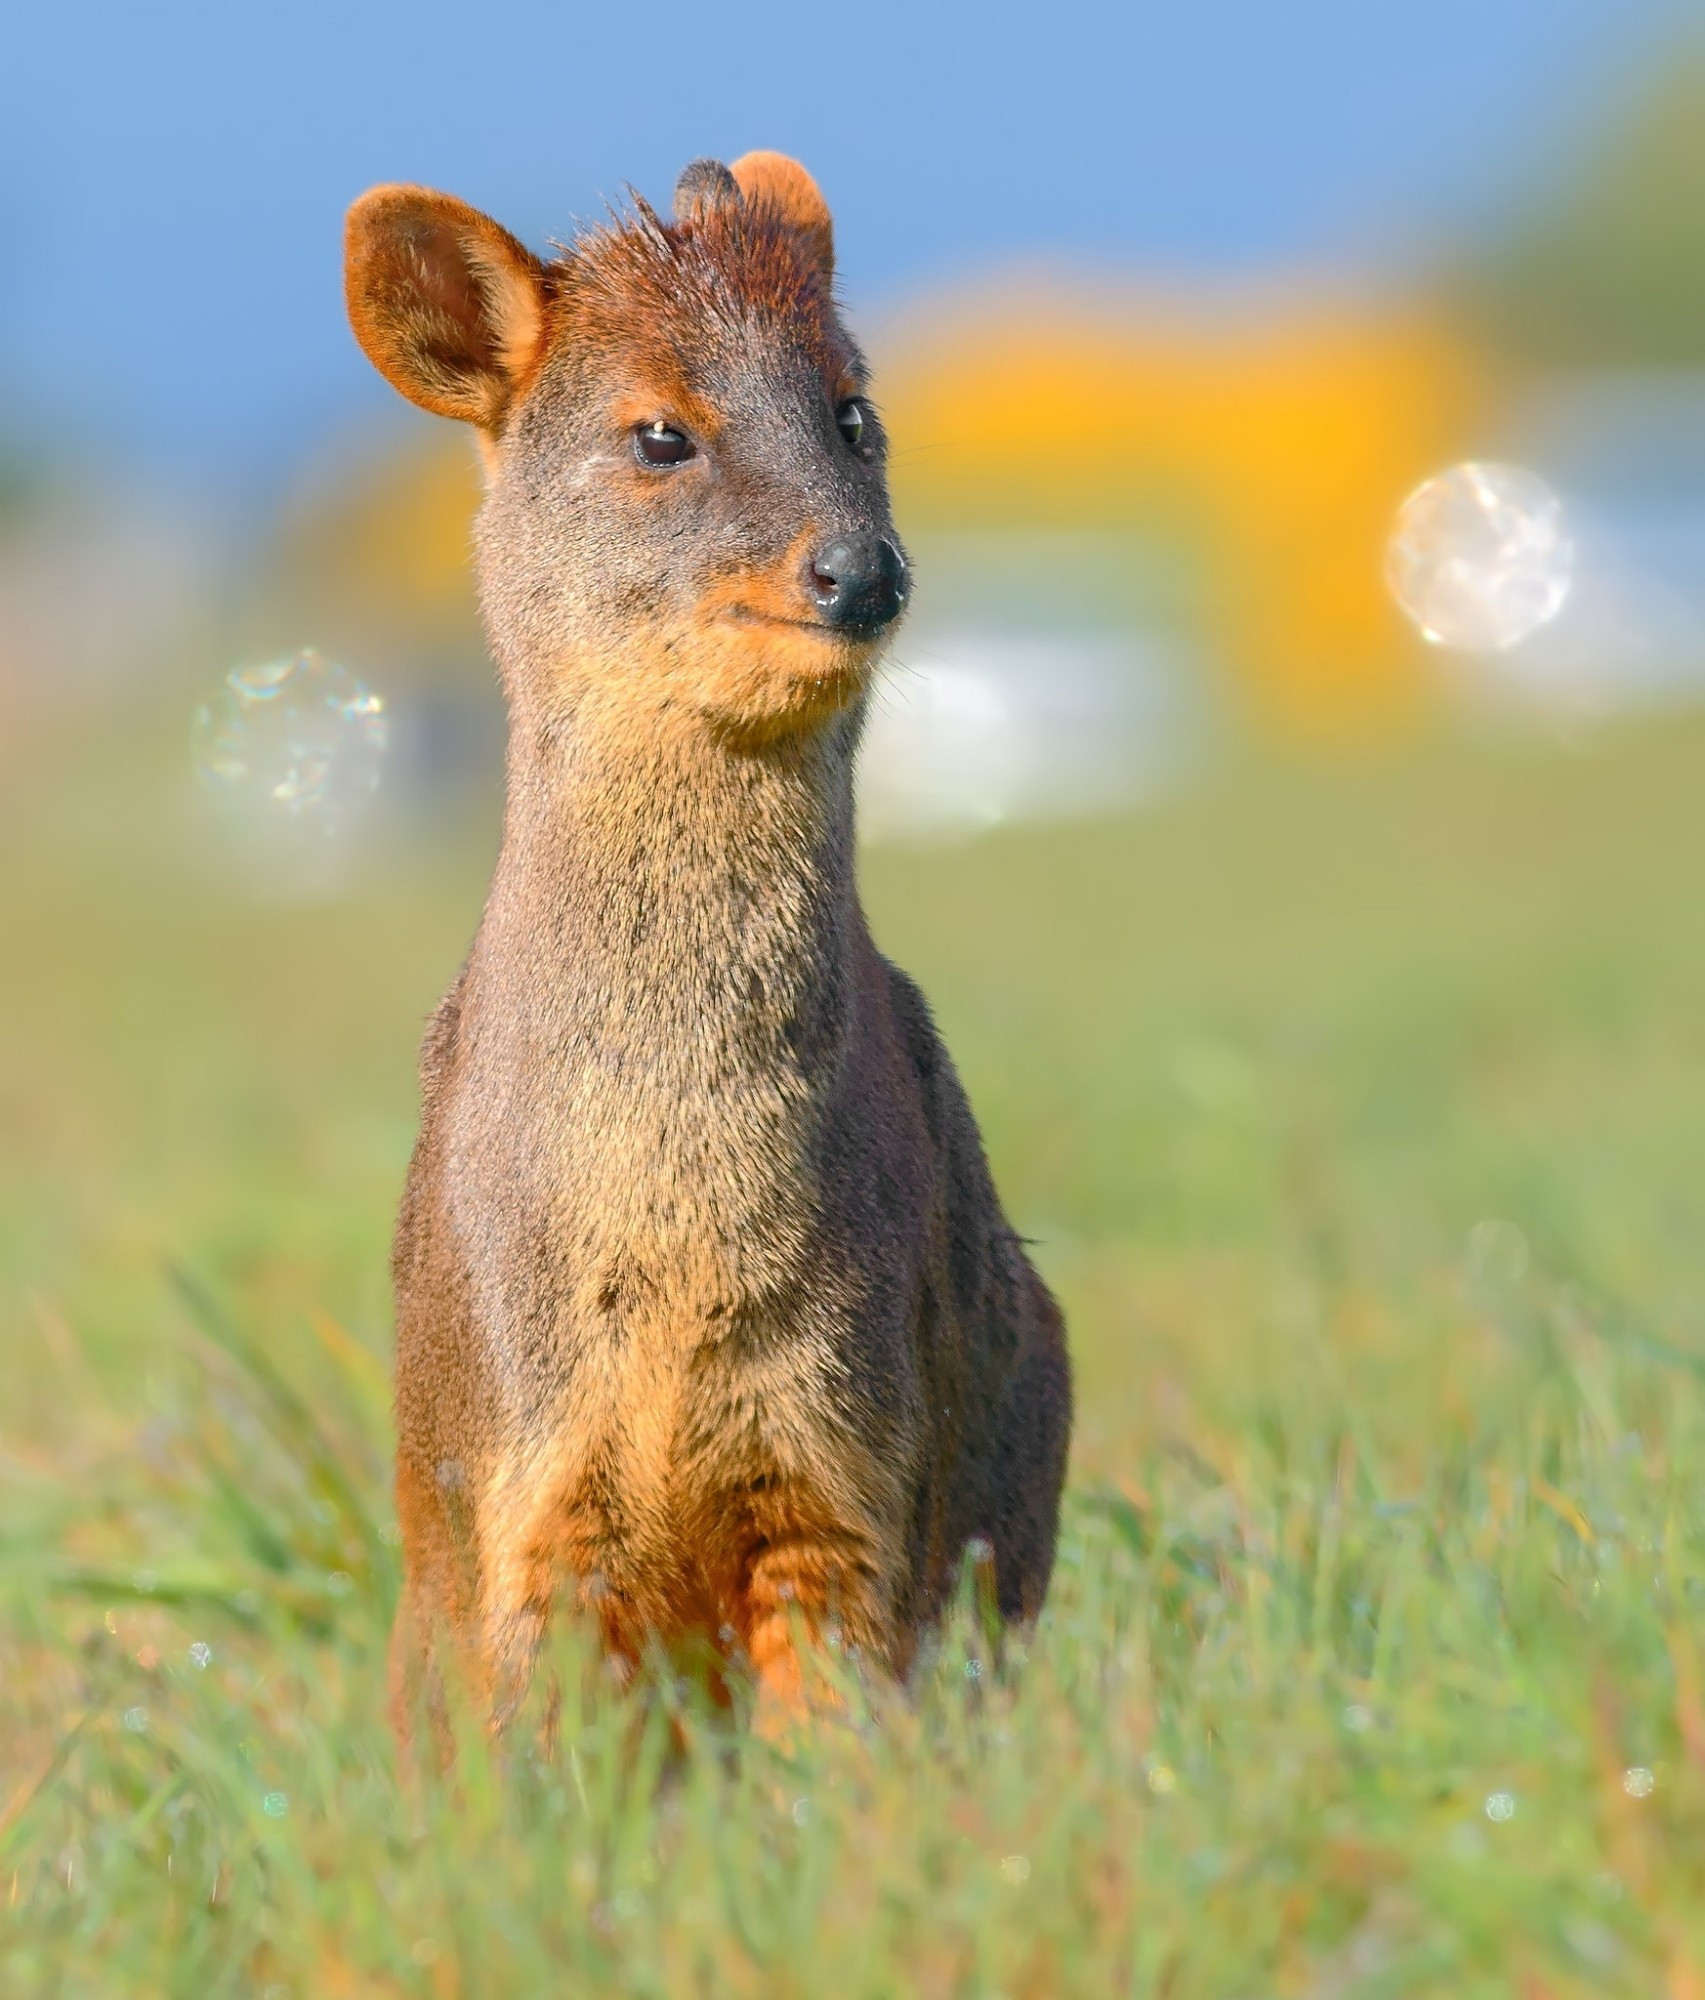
<point x="476" y="1600"/>
<point x="809" y="1592"/>
<point x="434" y="1638"/>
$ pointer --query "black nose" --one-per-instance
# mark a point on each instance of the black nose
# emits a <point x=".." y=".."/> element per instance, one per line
<point x="859" y="581"/>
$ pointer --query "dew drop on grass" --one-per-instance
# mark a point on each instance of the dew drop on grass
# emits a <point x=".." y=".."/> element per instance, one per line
<point x="1500" y="1806"/>
<point x="1638" y="1782"/>
<point x="136" y="1721"/>
<point x="1162" y="1780"/>
<point x="1591" y="1941"/>
<point x="1015" y="1868"/>
<point x="340" y="1583"/>
<point x="1358" y="1718"/>
<point x="1498" y="1252"/>
<point x="275" y="1805"/>
<point x="1480" y="557"/>
<point x="298" y="738"/>
<point x="200" y="1654"/>
<point x="801" y="1811"/>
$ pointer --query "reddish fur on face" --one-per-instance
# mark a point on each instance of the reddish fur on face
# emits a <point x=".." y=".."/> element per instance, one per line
<point x="761" y="670"/>
<point x="647" y="292"/>
<point x="709" y="1324"/>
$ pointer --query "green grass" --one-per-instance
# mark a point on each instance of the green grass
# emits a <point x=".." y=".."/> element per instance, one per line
<point x="1358" y="1114"/>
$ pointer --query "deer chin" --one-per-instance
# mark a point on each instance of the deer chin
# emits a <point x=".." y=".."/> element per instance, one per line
<point x="758" y="677"/>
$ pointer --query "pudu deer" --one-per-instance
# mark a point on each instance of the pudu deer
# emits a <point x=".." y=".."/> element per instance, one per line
<point x="708" y="1318"/>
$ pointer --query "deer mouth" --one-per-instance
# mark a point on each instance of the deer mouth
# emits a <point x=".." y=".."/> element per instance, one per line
<point x="746" y="614"/>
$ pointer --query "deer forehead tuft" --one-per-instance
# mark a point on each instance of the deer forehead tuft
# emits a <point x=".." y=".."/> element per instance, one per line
<point x="729" y="266"/>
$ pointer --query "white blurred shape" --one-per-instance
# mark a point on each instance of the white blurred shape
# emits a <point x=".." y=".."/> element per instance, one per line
<point x="1631" y="449"/>
<point x="973" y="729"/>
<point x="1480" y="557"/>
<point x="299" y="739"/>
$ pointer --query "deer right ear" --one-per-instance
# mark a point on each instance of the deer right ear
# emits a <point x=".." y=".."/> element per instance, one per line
<point x="447" y="305"/>
<point x="783" y="185"/>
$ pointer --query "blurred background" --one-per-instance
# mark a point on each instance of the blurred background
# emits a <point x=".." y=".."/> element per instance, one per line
<point x="1169" y="307"/>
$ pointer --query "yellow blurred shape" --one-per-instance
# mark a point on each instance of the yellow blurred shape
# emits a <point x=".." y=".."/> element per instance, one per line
<point x="378" y="548"/>
<point x="1268" y="447"/>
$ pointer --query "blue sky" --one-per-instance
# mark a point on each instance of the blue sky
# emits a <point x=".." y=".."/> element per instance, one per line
<point x="173" y="175"/>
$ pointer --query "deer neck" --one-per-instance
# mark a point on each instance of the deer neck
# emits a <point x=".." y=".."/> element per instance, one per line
<point x="673" y="909"/>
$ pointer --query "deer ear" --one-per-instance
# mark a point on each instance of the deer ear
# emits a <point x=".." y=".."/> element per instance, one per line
<point x="773" y="181"/>
<point x="447" y="306"/>
<point x="704" y="185"/>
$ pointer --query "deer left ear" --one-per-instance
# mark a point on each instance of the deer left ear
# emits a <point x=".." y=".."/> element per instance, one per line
<point x="773" y="181"/>
<point x="449" y="307"/>
<point x="704" y="186"/>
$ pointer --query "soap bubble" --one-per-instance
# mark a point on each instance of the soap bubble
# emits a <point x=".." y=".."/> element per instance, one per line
<point x="298" y="737"/>
<point x="1480" y="557"/>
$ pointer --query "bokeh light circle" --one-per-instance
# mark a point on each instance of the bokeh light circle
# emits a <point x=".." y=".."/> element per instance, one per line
<point x="299" y="738"/>
<point x="1481" y="557"/>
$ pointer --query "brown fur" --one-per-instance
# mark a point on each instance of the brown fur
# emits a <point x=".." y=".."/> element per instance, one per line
<point x="708" y="1318"/>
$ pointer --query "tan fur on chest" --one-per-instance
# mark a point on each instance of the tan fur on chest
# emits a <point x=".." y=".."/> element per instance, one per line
<point x="677" y="1406"/>
<point x="685" y="1441"/>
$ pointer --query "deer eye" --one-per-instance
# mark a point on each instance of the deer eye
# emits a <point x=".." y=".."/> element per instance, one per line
<point x="661" y="444"/>
<point x="850" y="418"/>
